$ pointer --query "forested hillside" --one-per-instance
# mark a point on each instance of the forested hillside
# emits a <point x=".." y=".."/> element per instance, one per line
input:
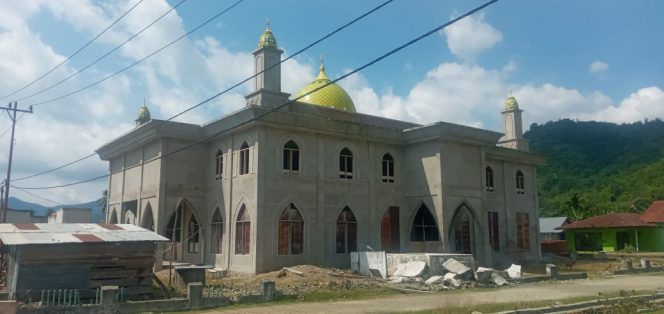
<point x="598" y="167"/>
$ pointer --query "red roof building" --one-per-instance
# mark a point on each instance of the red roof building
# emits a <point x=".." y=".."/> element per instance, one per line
<point x="654" y="213"/>
<point x="616" y="220"/>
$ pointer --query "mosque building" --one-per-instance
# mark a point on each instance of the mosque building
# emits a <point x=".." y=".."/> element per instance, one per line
<point x="283" y="182"/>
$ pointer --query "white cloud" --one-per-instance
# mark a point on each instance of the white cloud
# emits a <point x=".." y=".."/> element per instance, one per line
<point x="471" y="36"/>
<point x="598" y="67"/>
<point x="646" y="102"/>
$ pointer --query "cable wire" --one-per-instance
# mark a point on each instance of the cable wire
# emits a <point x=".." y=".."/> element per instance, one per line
<point x="105" y="55"/>
<point x="270" y="110"/>
<point x="232" y="87"/>
<point x="10" y="127"/>
<point x="139" y="61"/>
<point x="73" y="54"/>
<point x="38" y="197"/>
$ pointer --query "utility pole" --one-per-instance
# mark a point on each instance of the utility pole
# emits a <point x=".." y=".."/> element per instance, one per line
<point x="11" y="111"/>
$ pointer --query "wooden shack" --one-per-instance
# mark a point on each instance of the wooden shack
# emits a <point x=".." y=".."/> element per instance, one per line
<point x="41" y="257"/>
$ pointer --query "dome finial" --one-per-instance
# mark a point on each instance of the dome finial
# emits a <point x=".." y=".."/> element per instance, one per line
<point x="511" y="103"/>
<point x="321" y="74"/>
<point x="267" y="38"/>
<point x="143" y="114"/>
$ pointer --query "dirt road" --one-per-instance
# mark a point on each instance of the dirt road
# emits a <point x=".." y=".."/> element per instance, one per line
<point x="523" y="293"/>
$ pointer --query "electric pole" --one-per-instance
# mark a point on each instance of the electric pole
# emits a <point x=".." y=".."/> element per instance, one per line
<point x="11" y="111"/>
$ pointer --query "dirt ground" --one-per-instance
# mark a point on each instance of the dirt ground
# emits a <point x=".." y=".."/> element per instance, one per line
<point x="543" y="291"/>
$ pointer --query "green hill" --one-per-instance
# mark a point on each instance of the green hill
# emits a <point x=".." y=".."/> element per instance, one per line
<point x="598" y="167"/>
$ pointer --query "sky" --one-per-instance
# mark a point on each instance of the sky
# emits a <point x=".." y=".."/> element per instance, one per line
<point x="585" y="60"/>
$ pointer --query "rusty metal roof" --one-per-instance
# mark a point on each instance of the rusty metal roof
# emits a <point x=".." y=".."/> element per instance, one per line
<point x="654" y="213"/>
<point x="615" y="220"/>
<point x="42" y="233"/>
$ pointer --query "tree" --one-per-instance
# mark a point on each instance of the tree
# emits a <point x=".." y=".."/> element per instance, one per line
<point x="103" y="201"/>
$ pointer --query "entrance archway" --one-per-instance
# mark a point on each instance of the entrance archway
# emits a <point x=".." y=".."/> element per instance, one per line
<point x="390" y="241"/>
<point x="184" y="234"/>
<point x="462" y="231"/>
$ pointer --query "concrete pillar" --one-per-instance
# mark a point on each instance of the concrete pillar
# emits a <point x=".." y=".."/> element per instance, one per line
<point x="109" y="294"/>
<point x="628" y="264"/>
<point x="195" y="294"/>
<point x="268" y="290"/>
<point x="552" y="271"/>
<point x="645" y="263"/>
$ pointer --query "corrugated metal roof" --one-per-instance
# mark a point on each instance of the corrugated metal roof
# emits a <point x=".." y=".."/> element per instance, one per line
<point x="11" y="234"/>
<point x="549" y="224"/>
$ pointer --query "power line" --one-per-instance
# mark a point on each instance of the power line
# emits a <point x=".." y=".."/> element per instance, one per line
<point x="232" y="87"/>
<point x="139" y="61"/>
<point x="106" y="54"/>
<point x="73" y="54"/>
<point x="270" y="110"/>
<point x="38" y="197"/>
<point x="10" y="127"/>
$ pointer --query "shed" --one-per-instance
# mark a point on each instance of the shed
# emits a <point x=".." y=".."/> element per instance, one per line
<point x="548" y="227"/>
<point x="79" y="256"/>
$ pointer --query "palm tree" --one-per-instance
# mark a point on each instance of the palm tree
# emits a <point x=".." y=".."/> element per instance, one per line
<point x="103" y="201"/>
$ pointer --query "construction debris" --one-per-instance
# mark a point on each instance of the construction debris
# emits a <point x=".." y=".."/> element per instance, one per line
<point x="454" y="266"/>
<point x="434" y="280"/>
<point x="514" y="271"/>
<point x="411" y="269"/>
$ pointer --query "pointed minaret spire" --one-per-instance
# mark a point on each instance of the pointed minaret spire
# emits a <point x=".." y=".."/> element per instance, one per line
<point x="513" y="126"/>
<point x="267" y="68"/>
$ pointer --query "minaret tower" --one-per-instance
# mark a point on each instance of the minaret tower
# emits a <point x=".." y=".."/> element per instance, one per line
<point x="513" y="126"/>
<point x="267" y="83"/>
<point x="143" y="115"/>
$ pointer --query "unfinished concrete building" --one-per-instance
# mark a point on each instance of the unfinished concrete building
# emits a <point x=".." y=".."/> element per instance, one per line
<point x="283" y="182"/>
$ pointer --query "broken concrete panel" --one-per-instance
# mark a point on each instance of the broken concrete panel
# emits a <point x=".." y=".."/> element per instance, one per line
<point x="434" y="280"/>
<point x="514" y="271"/>
<point x="483" y="274"/>
<point x="454" y="266"/>
<point x="400" y="269"/>
<point x="411" y="269"/>
<point x="396" y="279"/>
<point x="498" y="280"/>
<point x="450" y="280"/>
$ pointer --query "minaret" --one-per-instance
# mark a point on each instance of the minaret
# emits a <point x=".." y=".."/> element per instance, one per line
<point x="267" y="83"/>
<point x="513" y="126"/>
<point x="143" y="115"/>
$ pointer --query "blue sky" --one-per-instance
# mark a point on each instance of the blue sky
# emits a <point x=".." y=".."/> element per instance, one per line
<point x="587" y="60"/>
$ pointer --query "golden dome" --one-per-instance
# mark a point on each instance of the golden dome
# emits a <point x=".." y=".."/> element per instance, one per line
<point x="143" y="115"/>
<point x="267" y="39"/>
<point x="511" y="103"/>
<point x="331" y="96"/>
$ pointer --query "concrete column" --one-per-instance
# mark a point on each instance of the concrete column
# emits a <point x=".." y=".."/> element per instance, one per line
<point x="268" y="290"/>
<point x="645" y="263"/>
<point x="109" y="295"/>
<point x="195" y="294"/>
<point x="552" y="271"/>
<point x="628" y="264"/>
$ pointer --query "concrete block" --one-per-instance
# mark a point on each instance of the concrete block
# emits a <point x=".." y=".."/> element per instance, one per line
<point x="645" y="263"/>
<point x="396" y="279"/>
<point x="110" y="294"/>
<point x="628" y="264"/>
<point x="514" y="271"/>
<point x="450" y="280"/>
<point x="498" y="280"/>
<point x="195" y="294"/>
<point x="483" y="274"/>
<point x="552" y="271"/>
<point x="8" y="307"/>
<point x="268" y="290"/>
<point x="434" y="280"/>
<point x="411" y="269"/>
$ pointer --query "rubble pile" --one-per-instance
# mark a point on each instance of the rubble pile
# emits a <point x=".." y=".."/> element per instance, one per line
<point x="454" y="275"/>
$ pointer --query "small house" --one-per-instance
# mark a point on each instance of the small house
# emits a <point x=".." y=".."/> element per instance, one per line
<point x="612" y="232"/>
<point x="70" y="215"/>
<point x="549" y="228"/>
<point x="42" y="257"/>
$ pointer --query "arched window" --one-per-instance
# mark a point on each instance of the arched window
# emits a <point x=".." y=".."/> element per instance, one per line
<point x="488" y="174"/>
<point x="217" y="232"/>
<point x="424" y="226"/>
<point x="346" y="231"/>
<point x="193" y="235"/>
<point x="242" y="232"/>
<point x="113" y="217"/>
<point x="148" y="220"/>
<point x="291" y="158"/>
<point x="520" y="185"/>
<point x="174" y="226"/>
<point x="244" y="158"/>
<point x="291" y="231"/>
<point x="388" y="168"/>
<point x="346" y="164"/>
<point x="219" y="165"/>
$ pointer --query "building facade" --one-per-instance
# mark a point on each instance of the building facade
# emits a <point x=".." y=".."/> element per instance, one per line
<point x="306" y="180"/>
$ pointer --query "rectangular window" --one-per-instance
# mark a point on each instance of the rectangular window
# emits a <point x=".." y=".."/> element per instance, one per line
<point x="494" y="235"/>
<point x="523" y="231"/>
